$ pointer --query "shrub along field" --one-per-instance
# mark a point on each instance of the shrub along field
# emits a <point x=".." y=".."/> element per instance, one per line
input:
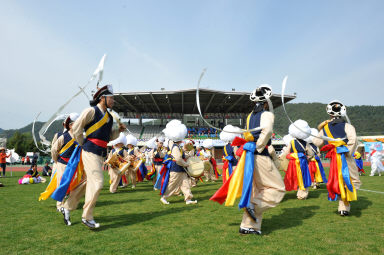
<point x="135" y="222"/>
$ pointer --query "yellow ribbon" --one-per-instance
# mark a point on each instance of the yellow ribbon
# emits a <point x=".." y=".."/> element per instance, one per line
<point x="97" y="125"/>
<point x="236" y="185"/>
<point x="69" y="144"/>
<point x="50" y="188"/>
<point x="345" y="194"/>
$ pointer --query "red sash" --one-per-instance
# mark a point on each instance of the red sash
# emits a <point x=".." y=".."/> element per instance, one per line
<point x="98" y="142"/>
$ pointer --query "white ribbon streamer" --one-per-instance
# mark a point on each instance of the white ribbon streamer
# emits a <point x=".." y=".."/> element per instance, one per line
<point x="285" y="111"/>
<point x="206" y="122"/>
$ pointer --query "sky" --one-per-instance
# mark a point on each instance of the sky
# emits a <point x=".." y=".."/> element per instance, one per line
<point x="329" y="49"/>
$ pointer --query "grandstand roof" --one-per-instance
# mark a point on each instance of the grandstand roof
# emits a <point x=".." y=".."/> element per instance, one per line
<point x="174" y="104"/>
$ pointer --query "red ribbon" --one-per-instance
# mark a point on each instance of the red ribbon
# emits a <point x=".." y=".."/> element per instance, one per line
<point x="312" y="169"/>
<point x="221" y="194"/>
<point x="65" y="159"/>
<point x="214" y="164"/>
<point x="333" y="179"/>
<point x="290" y="178"/>
<point x="225" y="169"/>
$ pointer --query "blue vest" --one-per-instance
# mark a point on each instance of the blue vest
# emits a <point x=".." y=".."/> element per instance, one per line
<point x="253" y="121"/>
<point x="337" y="129"/>
<point x="132" y="152"/>
<point x="68" y="152"/>
<point x="229" y="152"/>
<point x="300" y="147"/>
<point x="157" y="159"/>
<point x="175" y="167"/>
<point x="121" y="152"/>
<point x="314" y="147"/>
<point x="103" y="134"/>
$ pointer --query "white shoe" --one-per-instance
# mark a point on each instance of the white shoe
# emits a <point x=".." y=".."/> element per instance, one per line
<point x="133" y="187"/>
<point x="90" y="223"/>
<point x="165" y="202"/>
<point x="66" y="214"/>
<point x="189" y="202"/>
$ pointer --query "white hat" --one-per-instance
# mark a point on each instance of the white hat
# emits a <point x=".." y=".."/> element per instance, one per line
<point x="151" y="143"/>
<point x="121" y="139"/>
<point x="131" y="140"/>
<point x="161" y="139"/>
<point x="296" y="129"/>
<point x="175" y="130"/>
<point x="74" y="116"/>
<point x="314" y="132"/>
<point x="166" y="142"/>
<point x="228" y="137"/>
<point x="208" y="143"/>
<point x="287" y="139"/>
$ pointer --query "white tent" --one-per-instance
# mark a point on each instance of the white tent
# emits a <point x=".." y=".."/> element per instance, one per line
<point x="14" y="158"/>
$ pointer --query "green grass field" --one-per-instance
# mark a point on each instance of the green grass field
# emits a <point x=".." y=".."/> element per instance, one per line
<point x="135" y="222"/>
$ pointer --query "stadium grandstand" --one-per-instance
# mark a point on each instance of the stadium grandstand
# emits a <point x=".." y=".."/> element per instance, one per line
<point x="152" y="110"/>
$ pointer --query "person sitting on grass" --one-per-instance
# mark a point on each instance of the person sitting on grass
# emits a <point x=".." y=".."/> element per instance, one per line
<point x="47" y="170"/>
<point x="32" y="176"/>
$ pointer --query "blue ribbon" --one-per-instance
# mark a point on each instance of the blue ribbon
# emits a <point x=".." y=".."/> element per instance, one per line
<point x="304" y="169"/>
<point x="321" y="169"/>
<point x="159" y="176"/>
<point x="69" y="171"/>
<point x="230" y="158"/>
<point x="250" y="148"/>
<point x="359" y="163"/>
<point x="168" y="165"/>
<point x="158" y="182"/>
<point x="330" y="199"/>
<point x="344" y="166"/>
<point x="143" y="170"/>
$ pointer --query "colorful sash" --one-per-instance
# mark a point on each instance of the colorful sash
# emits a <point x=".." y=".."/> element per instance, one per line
<point x="72" y="175"/>
<point x="152" y="173"/>
<point x="142" y="172"/>
<point x="317" y="170"/>
<point x="214" y="164"/>
<point x="239" y="183"/>
<point x="297" y="174"/>
<point x="227" y="167"/>
<point x="164" y="175"/>
<point x="339" y="182"/>
<point x="52" y="185"/>
<point x="359" y="161"/>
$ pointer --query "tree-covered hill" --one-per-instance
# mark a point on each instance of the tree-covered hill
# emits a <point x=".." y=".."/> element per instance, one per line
<point x="368" y="120"/>
<point x="55" y="127"/>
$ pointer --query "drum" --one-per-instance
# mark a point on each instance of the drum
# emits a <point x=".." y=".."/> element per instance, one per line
<point x="188" y="147"/>
<point x="113" y="161"/>
<point x="196" y="166"/>
<point x="207" y="166"/>
<point x="136" y="164"/>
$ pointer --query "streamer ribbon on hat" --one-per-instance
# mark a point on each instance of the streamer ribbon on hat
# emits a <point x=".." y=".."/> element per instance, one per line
<point x="206" y="122"/>
<point x="97" y="73"/>
<point x="286" y="114"/>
